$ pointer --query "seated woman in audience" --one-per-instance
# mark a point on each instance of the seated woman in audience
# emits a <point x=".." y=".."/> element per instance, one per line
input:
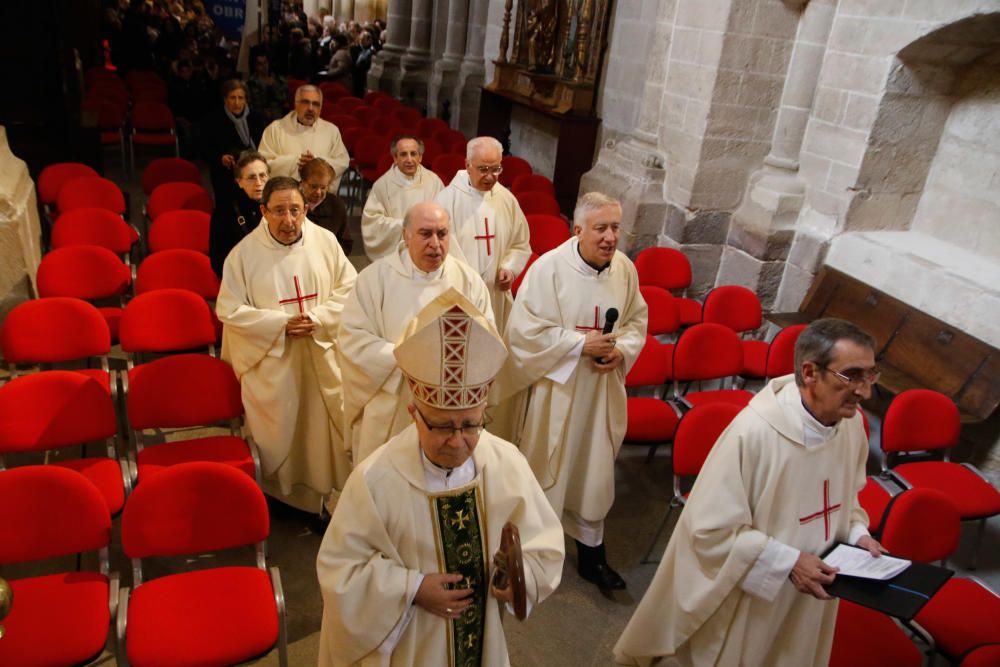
<point x="225" y="133"/>
<point x="341" y="67"/>
<point x="236" y="217"/>
<point x="268" y="91"/>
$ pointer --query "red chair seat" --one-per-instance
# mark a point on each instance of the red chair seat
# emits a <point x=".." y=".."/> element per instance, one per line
<point x="113" y="316"/>
<point x="227" y="449"/>
<point x="650" y="420"/>
<point x="960" y="616"/>
<point x="59" y="619"/>
<point x="874" y="499"/>
<point x="867" y="638"/>
<point x="690" y="311"/>
<point x="983" y="656"/>
<point x="974" y="498"/>
<point x="234" y="619"/>
<point x="754" y="358"/>
<point x="735" y="396"/>
<point x="105" y="474"/>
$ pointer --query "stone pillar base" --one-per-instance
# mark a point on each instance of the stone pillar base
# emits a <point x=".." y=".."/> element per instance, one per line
<point x="468" y="90"/>
<point x="386" y="73"/>
<point x="415" y="77"/>
<point x="442" y="86"/>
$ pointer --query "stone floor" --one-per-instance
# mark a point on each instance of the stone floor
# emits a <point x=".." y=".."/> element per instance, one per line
<point x="577" y="626"/>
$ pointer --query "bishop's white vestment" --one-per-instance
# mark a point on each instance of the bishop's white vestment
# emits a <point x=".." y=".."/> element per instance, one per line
<point x="569" y="420"/>
<point x="399" y="519"/>
<point x="390" y="198"/>
<point x="285" y="139"/>
<point x="291" y="387"/>
<point x="715" y="600"/>
<point x="492" y="233"/>
<point x="388" y="294"/>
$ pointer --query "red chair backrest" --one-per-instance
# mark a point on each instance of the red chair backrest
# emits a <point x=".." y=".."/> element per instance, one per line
<point x="532" y="183"/>
<point x="408" y="117"/>
<point x="181" y="391"/>
<point x="110" y="111"/>
<point x="152" y="117"/>
<point x="546" y="232"/>
<point x="178" y="196"/>
<point x="663" y="267"/>
<point x="92" y="226"/>
<point x="166" y="320"/>
<point x="707" y="351"/>
<point x="82" y="272"/>
<point x="513" y="167"/>
<point x="733" y="306"/>
<point x="193" y="508"/>
<point x="54" y="512"/>
<point x="922" y="525"/>
<point x="873" y="499"/>
<point x="698" y="432"/>
<point x="385" y="163"/>
<point x="54" y="176"/>
<point x="137" y="77"/>
<point x="333" y="91"/>
<point x="54" y="329"/>
<point x="781" y="351"/>
<point x="52" y="409"/>
<point x="428" y="126"/>
<point x="348" y="104"/>
<point x="520" y="277"/>
<point x="293" y="85"/>
<point x="432" y="149"/>
<point x="370" y="150"/>
<point x="180" y="229"/>
<point x="181" y="268"/>
<point x="664" y="316"/>
<point x="984" y="655"/>
<point x="447" y="165"/>
<point x="344" y="121"/>
<point x="453" y="140"/>
<point x="169" y="170"/>
<point x="100" y="73"/>
<point x="365" y="114"/>
<point x="538" y="202"/>
<point x="150" y="93"/>
<point x="352" y="136"/>
<point x="920" y="419"/>
<point x="387" y="126"/>
<point x="90" y="191"/>
<point x="650" y="368"/>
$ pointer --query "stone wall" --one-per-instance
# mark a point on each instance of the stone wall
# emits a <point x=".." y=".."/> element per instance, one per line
<point x="20" y="232"/>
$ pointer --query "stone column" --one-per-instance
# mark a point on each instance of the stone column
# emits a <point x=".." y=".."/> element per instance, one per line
<point x="416" y="62"/>
<point x="472" y="71"/>
<point x="764" y="226"/>
<point x="386" y="72"/>
<point x="311" y="7"/>
<point x="20" y="232"/>
<point x="445" y="74"/>
<point x="344" y="10"/>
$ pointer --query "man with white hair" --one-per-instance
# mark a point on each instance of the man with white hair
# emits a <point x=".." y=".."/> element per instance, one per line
<point x="488" y="222"/>
<point x="405" y="184"/>
<point x="572" y="421"/>
<point x="387" y="295"/>
<point x="290" y="142"/>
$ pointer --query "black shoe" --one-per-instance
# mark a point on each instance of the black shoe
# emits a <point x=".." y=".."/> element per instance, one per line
<point x="604" y="577"/>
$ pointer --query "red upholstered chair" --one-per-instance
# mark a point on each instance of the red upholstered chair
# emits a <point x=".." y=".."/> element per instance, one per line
<point x="922" y="420"/>
<point x="513" y="167"/>
<point x="54" y="176"/>
<point x="153" y="125"/>
<point x="53" y="410"/>
<point x="920" y="524"/>
<point x="353" y="135"/>
<point x="986" y="655"/>
<point x="343" y="121"/>
<point x="385" y="126"/>
<point x="111" y="109"/>
<point x="447" y="165"/>
<point x="179" y="268"/>
<point x="150" y="93"/>
<point x="651" y="420"/>
<point x="774" y="359"/>
<point x="99" y="73"/>
<point x="864" y="637"/>
<point x="874" y="499"/>
<point x="408" y="117"/>
<point x="382" y="102"/>
<point x="60" y="618"/>
<point x="169" y="170"/>
<point x="181" y="392"/>
<point x="333" y="91"/>
<point x="348" y="104"/>
<point x="694" y="438"/>
<point x="533" y="183"/>
<point x="166" y="320"/>
<point x="176" y="197"/>
<point x="532" y="258"/>
<point x="366" y="114"/>
<point x="664" y="317"/>
<point x="139" y="77"/>
<point x="546" y="232"/>
<point x="293" y="85"/>
<point x="58" y="330"/>
<point x="90" y="192"/>
<point x="538" y="202"/>
<point x="95" y="226"/>
<point x="708" y="351"/>
<point x="733" y="306"/>
<point x="428" y="126"/>
<point x="670" y="269"/>
<point x="452" y="140"/>
<point x="367" y="155"/>
<point x="89" y="273"/>
<point x="432" y="149"/>
<point x="210" y="616"/>
<point x="180" y="229"/>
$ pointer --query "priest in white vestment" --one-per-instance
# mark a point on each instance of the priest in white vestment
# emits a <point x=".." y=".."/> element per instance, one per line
<point x="741" y="581"/>
<point x="407" y="566"/>
<point x="572" y="375"/>
<point x="290" y="142"/>
<point x="283" y="291"/>
<point x="488" y="223"/>
<point x="389" y="293"/>
<point x="406" y="183"/>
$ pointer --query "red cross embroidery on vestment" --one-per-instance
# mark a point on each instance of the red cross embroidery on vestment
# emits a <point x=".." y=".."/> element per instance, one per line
<point x="299" y="296"/>
<point x="827" y="510"/>
<point x="487" y="236"/>
<point x="597" y="325"/>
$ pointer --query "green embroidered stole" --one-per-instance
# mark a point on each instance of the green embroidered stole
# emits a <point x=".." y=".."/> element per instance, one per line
<point x="460" y="521"/>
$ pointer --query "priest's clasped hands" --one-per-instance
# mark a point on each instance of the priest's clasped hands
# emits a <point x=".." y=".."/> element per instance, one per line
<point x="300" y="326"/>
<point x="505" y="278"/>
<point x="435" y="596"/>
<point x="810" y="573"/>
<point x="601" y="346"/>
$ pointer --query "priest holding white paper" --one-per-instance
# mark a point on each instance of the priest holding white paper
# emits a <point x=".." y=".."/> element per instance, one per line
<point x="388" y="294"/>
<point x="488" y="223"/>
<point x="407" y="566"/>
<point x="283" y="290"/>
<point x="741" y="581"/>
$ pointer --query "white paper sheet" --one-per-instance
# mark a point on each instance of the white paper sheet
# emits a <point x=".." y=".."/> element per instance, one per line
<point x="856" y="562"/>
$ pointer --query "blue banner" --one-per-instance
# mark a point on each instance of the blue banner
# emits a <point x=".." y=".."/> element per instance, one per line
<point x="228" y="15"/>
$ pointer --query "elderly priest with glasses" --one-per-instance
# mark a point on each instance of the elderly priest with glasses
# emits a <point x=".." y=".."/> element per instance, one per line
<point x="416" y="567"/>
<point x="741" y="582"/>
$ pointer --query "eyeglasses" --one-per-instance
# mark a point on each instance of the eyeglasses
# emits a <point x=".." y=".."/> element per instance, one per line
<point x="447" y="431"/>
<point x="256" y="177"/>
<point x="281" y="212"/>
<point x="493" y="171"/>
<point x="857" y="377"/>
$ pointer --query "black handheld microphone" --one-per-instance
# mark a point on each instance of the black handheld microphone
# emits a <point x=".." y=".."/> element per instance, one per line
<point x="610" y="318"/>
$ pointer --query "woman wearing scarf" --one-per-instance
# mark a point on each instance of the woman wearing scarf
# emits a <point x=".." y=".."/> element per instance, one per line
<point x="227" y="132"/>
<point x="235" y="217"/>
